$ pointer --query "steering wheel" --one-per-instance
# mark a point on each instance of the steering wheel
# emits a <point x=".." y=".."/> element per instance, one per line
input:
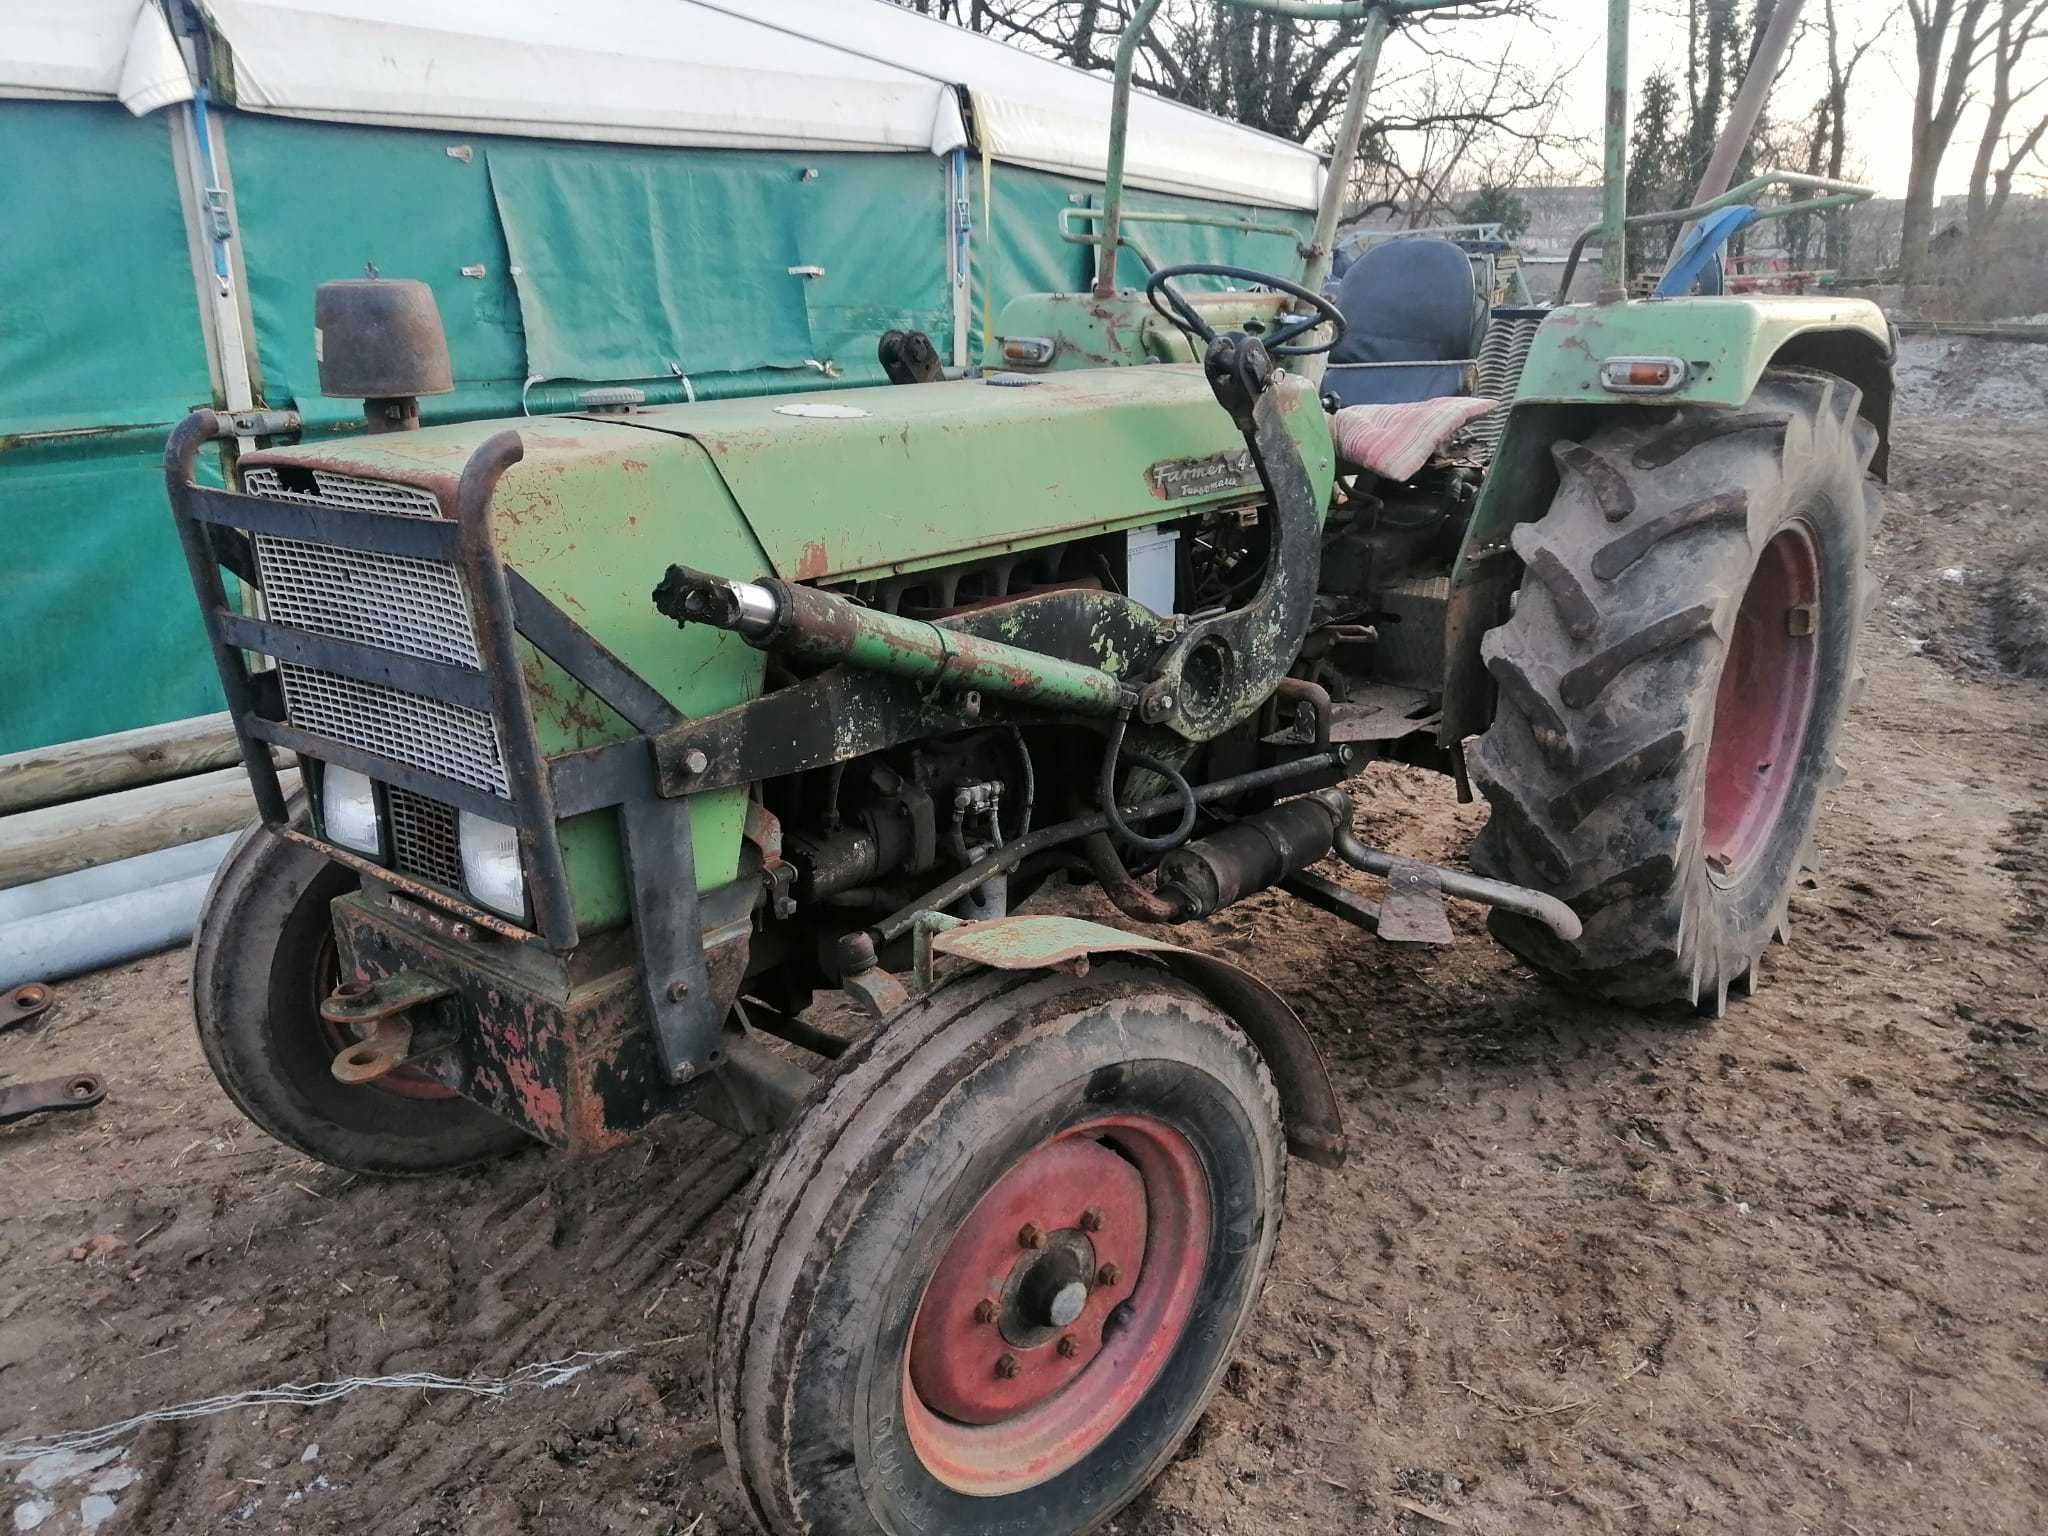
<point x="1174" y="306"/>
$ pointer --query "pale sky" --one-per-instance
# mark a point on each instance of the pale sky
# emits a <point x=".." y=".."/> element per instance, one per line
<point x="1881" y="96"/>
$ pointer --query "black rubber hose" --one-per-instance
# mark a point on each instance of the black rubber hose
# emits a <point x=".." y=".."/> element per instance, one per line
<point x="1030" y="775"/>
<point x="1181" y="789"/>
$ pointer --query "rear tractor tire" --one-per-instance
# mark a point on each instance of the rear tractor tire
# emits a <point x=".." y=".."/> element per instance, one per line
<point x="1672" y="682"/>
<point x="994" y="1272"/>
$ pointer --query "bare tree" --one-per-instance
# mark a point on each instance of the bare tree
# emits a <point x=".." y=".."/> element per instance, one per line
<point x="2004" y="147"/>
<point x="1949" y="38"/>
<point x="1825" y="151"/>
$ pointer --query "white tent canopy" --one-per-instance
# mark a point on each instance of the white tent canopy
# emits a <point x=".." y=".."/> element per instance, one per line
<point x="790" y="74"/>
<point x="631" y="71"/>
<point x="1034" y="111"/>
<point x="91" y="50"/>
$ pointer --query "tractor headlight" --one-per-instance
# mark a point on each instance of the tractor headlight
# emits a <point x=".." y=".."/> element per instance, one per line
<point x="348" y="810"/>
<point x="491" y="871"/>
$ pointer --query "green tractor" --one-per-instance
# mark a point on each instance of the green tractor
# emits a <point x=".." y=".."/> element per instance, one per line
<point x="628" y="734"/>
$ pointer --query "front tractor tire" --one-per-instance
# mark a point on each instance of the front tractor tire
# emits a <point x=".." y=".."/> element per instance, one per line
<point x="1672" y="682"/>
<point x="994" y="1272"/>
<point x="262" y="959"/>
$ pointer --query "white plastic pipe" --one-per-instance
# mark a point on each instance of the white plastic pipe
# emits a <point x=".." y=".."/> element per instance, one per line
<point x="116" y="879"/>
<point x="72" y="940"/>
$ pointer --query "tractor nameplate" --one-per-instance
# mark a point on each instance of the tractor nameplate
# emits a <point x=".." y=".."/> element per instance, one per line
<point x="1177" y="479"/>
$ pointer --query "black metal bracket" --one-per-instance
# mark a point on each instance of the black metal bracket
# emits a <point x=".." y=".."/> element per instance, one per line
<point x="675" y="981"/>
<point x="848" y="712"/>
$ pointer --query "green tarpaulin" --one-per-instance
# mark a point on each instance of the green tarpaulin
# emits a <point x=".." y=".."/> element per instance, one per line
<point x="100" y="351"/>
<point x="556" y="266"/>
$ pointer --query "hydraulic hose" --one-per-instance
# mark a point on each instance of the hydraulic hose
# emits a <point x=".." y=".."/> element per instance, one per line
<point x="1181" y="789"/>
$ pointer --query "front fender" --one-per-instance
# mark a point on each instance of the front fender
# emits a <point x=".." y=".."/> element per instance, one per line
<point x="1315" y="1126"/>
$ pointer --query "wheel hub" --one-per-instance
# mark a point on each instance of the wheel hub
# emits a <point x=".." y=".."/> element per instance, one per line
<point x="1024" y="1248"/>
<point x="1056" y="1304"/>
<point x="1763" y="703"/>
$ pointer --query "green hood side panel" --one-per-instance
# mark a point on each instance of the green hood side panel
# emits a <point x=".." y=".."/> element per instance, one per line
<point x="592" y="516"/>
<point x="928" y="473"/>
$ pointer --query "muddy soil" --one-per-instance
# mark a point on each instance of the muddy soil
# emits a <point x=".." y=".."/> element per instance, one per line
<point x="1589" y="1271"/>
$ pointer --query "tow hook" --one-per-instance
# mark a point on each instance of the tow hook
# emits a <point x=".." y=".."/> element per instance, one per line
<point x="375" y="1013"/>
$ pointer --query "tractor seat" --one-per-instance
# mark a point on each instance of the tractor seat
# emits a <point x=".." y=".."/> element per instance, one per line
<point x="1395" y="441"/>
<point x="1414" y="319"/>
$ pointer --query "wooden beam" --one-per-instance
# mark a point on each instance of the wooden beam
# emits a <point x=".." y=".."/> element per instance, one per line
<point x="55" y="840"/>
<point x="74" y="770"/>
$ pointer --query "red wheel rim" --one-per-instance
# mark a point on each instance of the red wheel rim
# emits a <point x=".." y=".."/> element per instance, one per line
<point x="1056" y="1305"/>
<point x="400" y="1082"/>
<point x="1763" y="703"/>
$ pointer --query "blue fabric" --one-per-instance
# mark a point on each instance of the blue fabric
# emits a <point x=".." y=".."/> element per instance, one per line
<point x="1393" y="383"/>
<point x="1702" y="249"/>
<point x="1409" y="301"/>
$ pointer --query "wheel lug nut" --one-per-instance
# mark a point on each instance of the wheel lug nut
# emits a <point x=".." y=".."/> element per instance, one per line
<point x="1030" y="1236"/>
<point x="1109" y="1274"/>
<point x="984" y="1311"/>
<point x="1069" y="1347"/>
<point x="1091" y="1220"/>
<point x="1006" y="1367"/>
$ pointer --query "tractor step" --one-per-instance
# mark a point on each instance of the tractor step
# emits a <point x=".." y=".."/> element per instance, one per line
<point x="1382" y="712"/>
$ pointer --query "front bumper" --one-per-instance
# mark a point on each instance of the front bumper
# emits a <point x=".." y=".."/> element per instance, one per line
<point x="561" y="1046"/>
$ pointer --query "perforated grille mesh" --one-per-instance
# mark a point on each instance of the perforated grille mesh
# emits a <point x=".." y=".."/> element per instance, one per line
<point x="332" y="490"/>
<point x="423" y="839"/>
<point x="456" y="742"/>
<point x="415" y="607"/>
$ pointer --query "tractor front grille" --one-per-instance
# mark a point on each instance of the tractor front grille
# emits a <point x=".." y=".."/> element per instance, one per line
<point x="452" y="740"/>
<point x="423" y="839"/>
<point x="414" y="607"/>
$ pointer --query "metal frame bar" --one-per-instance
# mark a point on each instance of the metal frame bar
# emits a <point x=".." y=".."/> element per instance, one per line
<point x="1838" y="194"/>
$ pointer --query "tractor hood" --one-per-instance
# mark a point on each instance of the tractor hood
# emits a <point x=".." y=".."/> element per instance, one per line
<point x="828" y="486"/>
<point x="871" y="482"/>
<point x="825" y="486"/>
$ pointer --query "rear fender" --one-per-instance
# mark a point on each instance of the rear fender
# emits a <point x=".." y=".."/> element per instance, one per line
<point x="1315" y="1127"/>
<point x="1728" y="343"/>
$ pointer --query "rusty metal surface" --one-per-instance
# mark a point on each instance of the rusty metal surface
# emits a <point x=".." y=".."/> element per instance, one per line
<point x="51" y="1095"/>
<point x="465" y="912"/>
<point x="1412" y="911"/>
<point x="359" y="1005"/>
<point x="25" y="1002"/>
<point x="848" y="712"/>
<point x="380" y="1052"/>
<point x="560" y="1046"/>
<point x="1315" y="1122"/>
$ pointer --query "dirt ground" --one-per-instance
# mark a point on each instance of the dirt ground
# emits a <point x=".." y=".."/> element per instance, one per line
<point x="1588" y="1271"/>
